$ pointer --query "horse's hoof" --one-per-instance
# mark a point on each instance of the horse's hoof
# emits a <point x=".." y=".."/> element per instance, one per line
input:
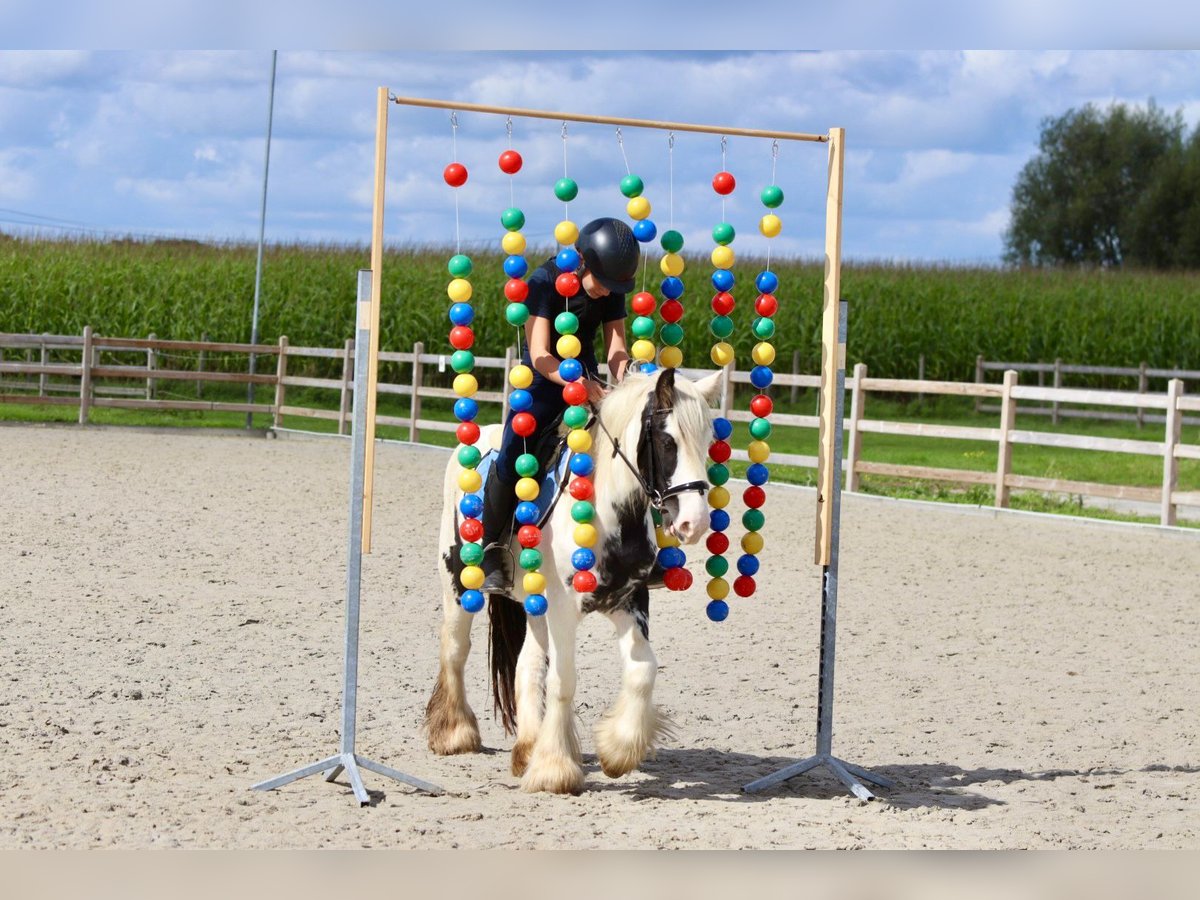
<point x="553" y="775"/>
<point x="521" y="752"/>
<point x="460" y="738"/>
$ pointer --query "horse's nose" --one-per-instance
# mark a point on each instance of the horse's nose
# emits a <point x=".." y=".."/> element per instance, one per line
<point x="686" y="530"/>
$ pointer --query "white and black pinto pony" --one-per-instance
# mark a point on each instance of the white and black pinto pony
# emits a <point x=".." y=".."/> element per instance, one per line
<point x="650" y="442"/>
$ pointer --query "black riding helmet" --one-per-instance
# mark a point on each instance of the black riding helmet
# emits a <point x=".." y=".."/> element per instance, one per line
<point x="610" y="252"/>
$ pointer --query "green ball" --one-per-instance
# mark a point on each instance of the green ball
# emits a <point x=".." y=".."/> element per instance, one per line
<point x="672" y="334"/>
<point x="718" y="473"/>
<point x="753" y="519"/>
<point x="721" y="326"/>
<point x="459" y="265"/>
<point x="512" y="219"/>
<point x="468" y="456"/>
<point x="575" y="416"/>
<point x="724" y="233"/>
<point x="583" y="511"/>
<point x="471" y="554"/>
<point x="566" y="323"/>
<point x="764" y="328"/>
<point x="760" y="429"/>
<point x="566" y="190"/>
<point x="516" y="313"/>
<point x="526" y="465"/>
<point x="462" y="361"/>
<point x="672" y="241"/>
<point x="716" y="566"/>
<point x="530" y="559"/>
<point x="631" y="186"/>
<point x="642" y="327"/>
<point x="772" y="196"/>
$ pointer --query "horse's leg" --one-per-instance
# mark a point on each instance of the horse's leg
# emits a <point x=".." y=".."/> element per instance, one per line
<point x="554" y="765"/>
<point x="449" y="720"/>
<point x="531" y="690"/>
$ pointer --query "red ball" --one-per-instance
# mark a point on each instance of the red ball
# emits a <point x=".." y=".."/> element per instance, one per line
<point x="529" y="536"/>
<point x="722" y="304"/>
<point x="754" y="496"/>
<point x="761" y="406"/>
<point x="567" y="284"/>
<point x="583" y="582"/>
<point x="581" y="488"/>
<point x="679" y="579"/>
<point x="510" y="162"/>
<point x="717" y="543"/>
<point x="516" y="290"/>
<point x="461" y="337"/>
<point x="718" y="451"/>
<point x="470" y="529"/>
<point x="672" y="311"/>
<point x="575" y="394"/>
<point x="524" y="424"/>
<point x="766" y="305"/>
<point x="455" y="174"/>
<point x="643" y="303"/>
<point x="467" y="432"/>
<point x="724" y="183"/>
<point x="744" y="586"/>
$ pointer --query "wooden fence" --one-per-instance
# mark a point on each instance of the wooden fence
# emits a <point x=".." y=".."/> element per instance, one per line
<point x="34" y="386"/>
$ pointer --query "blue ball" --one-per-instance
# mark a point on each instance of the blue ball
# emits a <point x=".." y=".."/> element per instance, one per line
<point x="535" y="605"/>
<point x="766" y="282"/>
<point x="520" y="400"/>
<point x="472" y="601"/>
<point x="648" y="368"/>
<point x="515" y="267"/>
<point x="567" y="259"/>
<point x="527" y="512"/>
<point x="757" y="473"/>
<point x="465" y="409"/>
<point x="645" y="230"/>
<point x="672" y="287"/>
<point x="717" y="610"/>
<point x="722" y="428"/>
<point x="583" y="559"/>
<point x="462" y="313"/>
<point x="581" y="464"/>
<point x="718" y="520"/>
<point x="471" y="505"/>
<point x="671" y="558"/>
<point x="761" y="376"/>
<point x="747" y="564"/>
<point x="722" y="279"/>
<point x="570" y="370"/>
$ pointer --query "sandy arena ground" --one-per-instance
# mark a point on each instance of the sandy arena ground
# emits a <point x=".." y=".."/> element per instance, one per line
<point x="171" y="608"/>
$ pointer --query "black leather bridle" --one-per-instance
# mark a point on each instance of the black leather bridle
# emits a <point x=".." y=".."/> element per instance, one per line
<point x="658" y="498"/>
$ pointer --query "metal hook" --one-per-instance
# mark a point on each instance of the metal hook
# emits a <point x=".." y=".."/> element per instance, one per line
<point x="453" y="119"/>
<point x="508" y="128"/>
<point x="564" y="131"/>
<point x="670" y="140"/>
<point x="724" y="141"/>
<point x="775" y="149"/>
<point x="620" y="140"/>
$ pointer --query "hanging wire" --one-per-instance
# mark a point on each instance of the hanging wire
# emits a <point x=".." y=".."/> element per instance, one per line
<point x="512" y="193"/>
<point x="454" y="156"/>
<point x="621" y="144"/>
<point x="724" y="141"/>
<point x="774" y="160"/>
<point x="671" y="178"/>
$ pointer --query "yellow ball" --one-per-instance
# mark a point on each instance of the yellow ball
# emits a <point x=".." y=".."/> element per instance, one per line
<point x="513" y="243"/>
<point x="770" y="225"/>
<point x="566" y="232"/>
<point x="579" y="440"/>
<point x="534" y="582"/>
<point x="670" y="357"/>
<point x="718" y="497"/>
<point x="663" y="539"/>
<point x="638" y="208"/>
<point x="758" y="451"/>
<point x="459" y="290"/>
<point x="527" y="489"/>
<point x="671" y="264"/>
<point x="471" y="578"/>
<point x="752" y="542"/>
<point x="469" y="481"/>
<point x="718" y="588"/>
<point x="763" y="353"/>
<point x="722" y="353"/>
<point x="568" y="346"/>
<point x="585" y="535"/>
<point x="520" y="376"/>
<point x="722" y="257"/>
<point x="466" y="384"/>
<point x="643" y="350"/>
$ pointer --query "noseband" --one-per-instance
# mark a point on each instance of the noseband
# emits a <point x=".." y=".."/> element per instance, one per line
<point x="658" y="499"/>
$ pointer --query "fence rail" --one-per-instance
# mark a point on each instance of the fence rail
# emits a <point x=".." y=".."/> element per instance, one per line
<point x="35" y="387"/>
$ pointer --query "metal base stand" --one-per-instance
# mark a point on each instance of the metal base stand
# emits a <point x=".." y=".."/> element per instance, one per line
<point x="347" y="760"/>
<point x="844" y="771"/>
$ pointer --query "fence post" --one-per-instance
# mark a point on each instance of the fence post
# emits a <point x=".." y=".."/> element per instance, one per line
<point x="151" y="365"/>
<point x="795" y="371"/>
<point x="1143" y="387"/>
<point x="727" y="392"/>
<point x="280" y="374"/>
<point x="1008" y="421"/>
<point x="85" y="376"/>
<point x="979" y="380"/>
<point x="858" y="399"/>
<point x="509" y="354"/>
<point x="1170" y="463"/>
<point x="200" y="364"/>
<point x="347" y="375"/>
<point x="1054" y="418"/>
<point x="418" y="378"/>
<point x="45" y="360"/>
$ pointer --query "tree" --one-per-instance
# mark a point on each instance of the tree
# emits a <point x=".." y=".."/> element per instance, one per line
<point x="1085" y="198"/>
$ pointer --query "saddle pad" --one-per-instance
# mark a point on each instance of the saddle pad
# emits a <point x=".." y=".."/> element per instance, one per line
<point x="552" y="481"/>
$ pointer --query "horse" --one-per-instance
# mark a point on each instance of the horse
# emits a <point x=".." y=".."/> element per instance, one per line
<point x="664" y="421"/>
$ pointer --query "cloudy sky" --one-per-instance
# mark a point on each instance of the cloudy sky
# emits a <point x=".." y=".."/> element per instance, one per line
<point x="171" y="143"/>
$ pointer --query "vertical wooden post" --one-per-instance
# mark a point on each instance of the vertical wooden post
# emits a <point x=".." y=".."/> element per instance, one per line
<point x="979" y="375"/>
<point x="727" y="390"/>
<point x="795" y="371"/>
<point x="858" y="401"/>
<point x="200" y="364"/>
<point x="1054" y="417"/>
<point x="85" y="376"/>
<point x="347" y="375"/>
<point x="509" y="355"/>
<point x="1170" y="463"/>
<point x="1143" y="387"/>
<point x="381" y="122"/>
<point x="418" y="379"/>
<point x="1008" y="422"/>
<point x="280" y="374"/>
<point x="151" y="365"/>
<point x="45" y="359"/>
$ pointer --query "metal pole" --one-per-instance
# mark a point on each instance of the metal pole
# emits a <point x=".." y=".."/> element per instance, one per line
<point x="262" y="227"/>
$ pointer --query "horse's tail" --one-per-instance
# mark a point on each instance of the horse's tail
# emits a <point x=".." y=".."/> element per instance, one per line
<point x="506" y="636"/>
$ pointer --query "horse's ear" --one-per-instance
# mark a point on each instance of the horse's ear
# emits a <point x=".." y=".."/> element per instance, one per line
<point x="664" y="390"/>
<point x="710" y="387"/>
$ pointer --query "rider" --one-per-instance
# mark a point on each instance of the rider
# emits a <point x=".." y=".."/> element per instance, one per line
<point x="609" y="256"/>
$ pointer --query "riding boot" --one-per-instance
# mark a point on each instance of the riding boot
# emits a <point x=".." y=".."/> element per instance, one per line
<point x="499" y="501"/>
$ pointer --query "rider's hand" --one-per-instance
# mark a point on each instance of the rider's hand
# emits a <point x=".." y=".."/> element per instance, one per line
<point x="595" y="391"/>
